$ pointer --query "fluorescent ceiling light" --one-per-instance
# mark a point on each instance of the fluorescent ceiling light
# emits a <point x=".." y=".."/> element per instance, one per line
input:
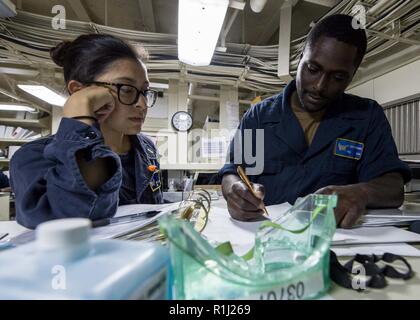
<point x="44" y="93"/>
<point x="15" y="107"/>
<point x="199" y="25"/>
<point x="158" y="85"/>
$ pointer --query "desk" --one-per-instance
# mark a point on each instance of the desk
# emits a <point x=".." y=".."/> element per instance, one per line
<point x="396" y="289"/>
<point x="12" y="228"/>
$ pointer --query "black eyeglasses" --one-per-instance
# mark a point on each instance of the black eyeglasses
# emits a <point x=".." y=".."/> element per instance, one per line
<point x="128" y="94"/>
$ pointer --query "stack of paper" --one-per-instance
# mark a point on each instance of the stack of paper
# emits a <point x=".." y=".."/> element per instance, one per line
<point x="146" y="229"/>
<point x="369" y="235"/>
<point x="402" y="249"/>
<point x="375" y="240"/>
<point x="10" y="132"/>
<point x="127" y="230"/>
<point x="363" y="240"/>
<point x="389" y="217"/>
<point x="221" y="228"/>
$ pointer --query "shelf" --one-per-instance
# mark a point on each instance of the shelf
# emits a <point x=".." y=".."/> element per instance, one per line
<point x="4" y="160"/>
<point x="42" y="123"/>
<point x="16" y="141"/>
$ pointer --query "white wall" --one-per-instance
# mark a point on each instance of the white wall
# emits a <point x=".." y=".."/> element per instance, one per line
<point x="202" y="109"/>
<point x="396" y="85"/>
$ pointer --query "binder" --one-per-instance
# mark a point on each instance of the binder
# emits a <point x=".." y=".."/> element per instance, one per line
<point x="194" y="208"/>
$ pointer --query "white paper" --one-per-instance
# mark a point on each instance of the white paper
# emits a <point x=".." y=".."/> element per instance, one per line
<point x="115" y="230"/>
<point x="402" y="249"/>
<point x="389" y="217"/>
<point x="366" y="235"/>
<point x="241" y="235"/>
<point x="392" y="213"/>
<point x="12" y="228"/>
<point x="276" y="211"/>
<point x="120" y="229"/>
<point x="137" y="208"/>
<point x="221" y="228"/>
<point x="386" y="222"/>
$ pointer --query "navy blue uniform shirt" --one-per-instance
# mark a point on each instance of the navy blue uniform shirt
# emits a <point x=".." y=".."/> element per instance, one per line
<point x="353" y="144"/>
<point x="47" y="182"/>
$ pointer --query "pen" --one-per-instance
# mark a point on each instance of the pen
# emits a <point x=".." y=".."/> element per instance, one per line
<point x="3" y="236"/>
<point x="128" y="218"/>
<point x="245" y="179"/>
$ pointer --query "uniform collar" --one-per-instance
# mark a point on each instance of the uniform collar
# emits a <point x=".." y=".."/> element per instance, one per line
<point x="336" y="122"/>
<point x="286" y="126"/>
<point x="280" y="106"/>
<point x="143" y="158"/>
<point x="145" y="148"/>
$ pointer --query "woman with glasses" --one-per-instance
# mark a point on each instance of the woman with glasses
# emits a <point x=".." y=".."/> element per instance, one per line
<point x="98" y="159"/>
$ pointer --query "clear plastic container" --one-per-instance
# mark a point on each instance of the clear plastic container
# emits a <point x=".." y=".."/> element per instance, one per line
<point x="290" y="259"/>
<point x="64" y="263"/>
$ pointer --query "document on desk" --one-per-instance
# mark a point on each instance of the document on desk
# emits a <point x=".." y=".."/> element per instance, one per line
<point x="402" y="249"/>
<point x="392" y="214"/>
<point x="389" y="217"/>
<point x="241" y="235"/>
<point x="136" y="208"/>
<point x="222" y="228"/>
<point x="375" y="235"/>
<point x="122" y="229"/>
<point x="115" y="230"/>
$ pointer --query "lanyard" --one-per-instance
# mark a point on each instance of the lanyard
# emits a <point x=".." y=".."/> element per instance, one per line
<point x="376" y="275"/>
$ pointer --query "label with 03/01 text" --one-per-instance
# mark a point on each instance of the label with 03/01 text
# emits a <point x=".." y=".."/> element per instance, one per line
<point x="298" y="289"/>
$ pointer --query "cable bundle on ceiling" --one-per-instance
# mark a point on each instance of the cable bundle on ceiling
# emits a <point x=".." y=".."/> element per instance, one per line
<point x="26" y="38"/>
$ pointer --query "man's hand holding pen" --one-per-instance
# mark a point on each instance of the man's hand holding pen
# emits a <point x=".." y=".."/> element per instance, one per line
<point x="243" y="204"/>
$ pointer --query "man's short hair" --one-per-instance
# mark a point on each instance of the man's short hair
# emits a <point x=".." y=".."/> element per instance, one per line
<point x="339" y="27"/>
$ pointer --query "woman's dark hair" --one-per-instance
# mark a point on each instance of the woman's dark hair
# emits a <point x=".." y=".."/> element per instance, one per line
<point x="88" y="56"/>
<point x="340" y="27"/>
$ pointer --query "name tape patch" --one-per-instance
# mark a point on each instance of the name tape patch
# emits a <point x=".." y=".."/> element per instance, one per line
<point x="348" y="149"/>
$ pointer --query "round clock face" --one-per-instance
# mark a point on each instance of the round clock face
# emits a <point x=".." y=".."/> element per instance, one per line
<point x="182" y="121"/>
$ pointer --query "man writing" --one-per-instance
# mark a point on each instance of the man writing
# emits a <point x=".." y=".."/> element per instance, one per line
<point x="317" y="139"/>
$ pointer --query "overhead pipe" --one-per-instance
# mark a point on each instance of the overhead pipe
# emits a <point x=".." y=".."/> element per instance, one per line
<point x="229" y="24"/>
<point x="380" y="6"/>
<point x="191" y="90"/>
<point x="257" y="5"/>
<point x="395" y="37"/>
<point x="28" y="26"/>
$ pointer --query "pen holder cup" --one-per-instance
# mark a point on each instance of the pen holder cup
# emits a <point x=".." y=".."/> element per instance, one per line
<point x="290" y="259"/>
